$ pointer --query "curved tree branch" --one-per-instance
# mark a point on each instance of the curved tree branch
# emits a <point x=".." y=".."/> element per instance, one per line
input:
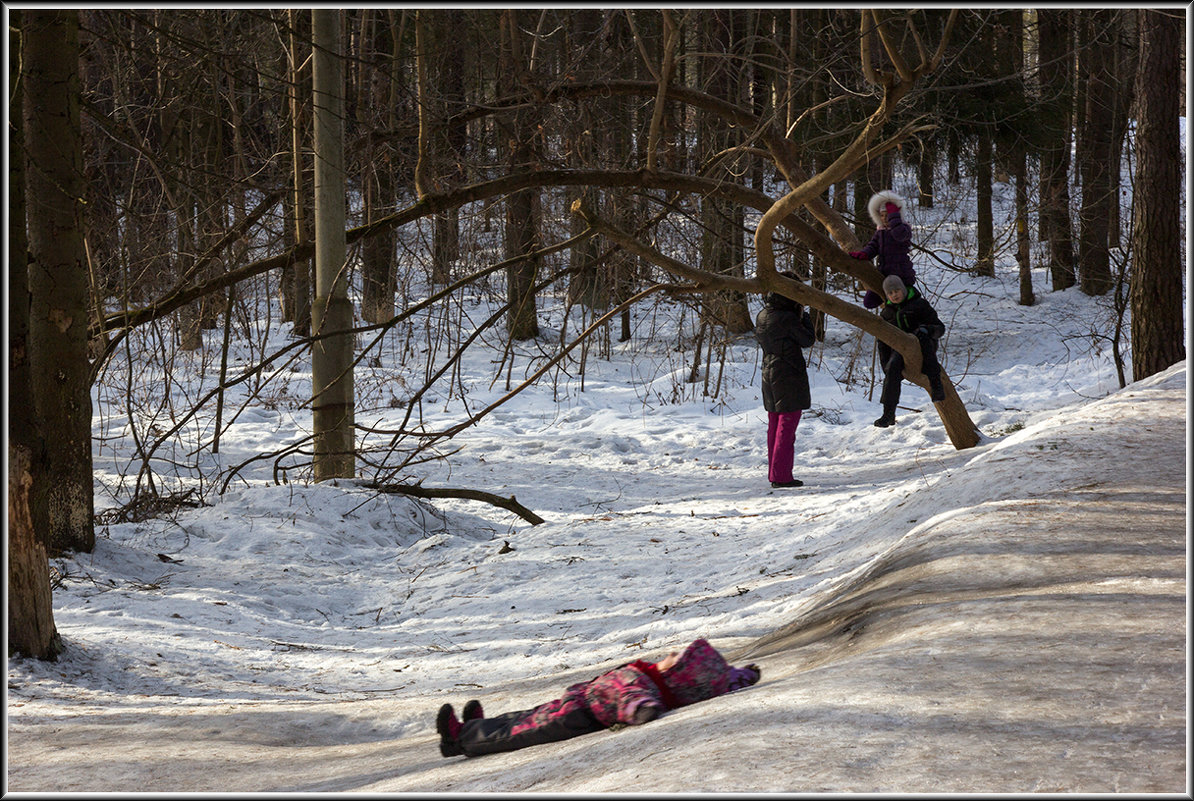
<point x="417" y="491"/>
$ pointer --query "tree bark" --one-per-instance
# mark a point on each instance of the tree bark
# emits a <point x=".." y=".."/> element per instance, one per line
<point x="586" y="286"/>
<point x="296" y="277"/>
<point x="1013" y="56"/>
<point x="984" y="224"/>
<point x="451" y="143"/>
<point x="1124" y="58"/>
<point x="522" y="207"/>
<point x="1158" y="336"/>
<point x="331" y="357"/>
<point x="1057" y="93"/>
<point x="58" y="278"/>
<point x="31" y="629"/>
<point x="722" y="235"/>
<point x="1023" y="249"/>
<point x="1094" y="154"/>
<point x="378" y="277"/>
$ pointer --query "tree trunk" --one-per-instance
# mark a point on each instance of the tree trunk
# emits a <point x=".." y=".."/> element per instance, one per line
<point x="1094" y="154"/>
<point x="1023" y="250"/>
<point x="953" y="157"/>
<point x="332" y="314"/>
<point x="1057" y="96"/>
<point x="522" y="207"/>
<point x="721" y="237"/>
<point x="925" y="166"/>
<point x="296" y="278"/>
<point x="31" y="628"/>
<point x="1158" y="339"/>
<point x="586" y="286"/>
<point x="58" y="278"/>
<point x="378" y="279"/>
<point x="1123" y="71"/>
<point x="450" y="69"/>
<point x="985" y="224"/>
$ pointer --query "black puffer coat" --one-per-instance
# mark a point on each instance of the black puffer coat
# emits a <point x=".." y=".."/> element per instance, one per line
<point x="783" y="328"/>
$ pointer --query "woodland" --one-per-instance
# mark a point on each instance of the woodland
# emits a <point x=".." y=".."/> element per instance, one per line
<point x="175" y="172"/>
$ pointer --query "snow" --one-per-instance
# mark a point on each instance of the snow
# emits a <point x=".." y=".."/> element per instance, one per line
<point x="1007" y="618"/>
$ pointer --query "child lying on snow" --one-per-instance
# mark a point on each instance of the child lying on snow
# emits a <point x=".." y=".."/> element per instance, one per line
<point x="632" y="694"/>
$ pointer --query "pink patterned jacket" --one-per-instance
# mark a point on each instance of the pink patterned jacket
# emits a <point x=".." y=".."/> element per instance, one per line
<point x="614" y="697"/>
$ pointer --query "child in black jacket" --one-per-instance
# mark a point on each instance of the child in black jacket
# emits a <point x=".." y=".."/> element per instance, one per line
<point x="907" y="310"/>
<point x="782" y="328"/>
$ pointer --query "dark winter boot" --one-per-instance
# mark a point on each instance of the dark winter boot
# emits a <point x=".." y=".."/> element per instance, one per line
<point x="449" y="730"/>
<point x="472" y="711"/>
<point x="888" y="419"/>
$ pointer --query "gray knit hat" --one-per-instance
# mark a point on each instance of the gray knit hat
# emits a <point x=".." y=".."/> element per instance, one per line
<point x="893" y="282"/>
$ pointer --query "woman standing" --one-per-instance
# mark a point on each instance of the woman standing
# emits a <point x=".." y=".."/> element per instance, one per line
<point x="783" y="327"/>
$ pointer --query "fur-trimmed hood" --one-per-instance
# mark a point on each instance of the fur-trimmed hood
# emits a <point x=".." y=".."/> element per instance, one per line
<point x="878" y="200"/>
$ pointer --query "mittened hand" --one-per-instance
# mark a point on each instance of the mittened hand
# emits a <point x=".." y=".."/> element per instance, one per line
<point x="645" y="714"/>
<point x="891" y="208"/>
<point x="744" y="676"/>
<point x="857" y="254"/>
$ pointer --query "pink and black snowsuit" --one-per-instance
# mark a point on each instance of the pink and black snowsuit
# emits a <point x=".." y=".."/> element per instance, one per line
<point x="630" y="694"/>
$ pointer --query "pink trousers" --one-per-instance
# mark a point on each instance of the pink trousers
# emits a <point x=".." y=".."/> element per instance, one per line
<point x="781" y="438"/>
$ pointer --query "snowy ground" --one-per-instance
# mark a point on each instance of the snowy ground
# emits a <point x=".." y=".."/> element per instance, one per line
<point x="1009" y="618"/>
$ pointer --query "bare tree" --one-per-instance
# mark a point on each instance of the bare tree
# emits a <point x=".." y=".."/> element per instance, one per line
<point x="523" y="208"/>
<point x="1158" y="339"/>
<point x="31" y="629"/>
<point x="332" y="352"/>
<point x="1056" y="82"/>
<point x="58" y="275"/>
<point x="1096" y="150"/>
<point x="376" y="160"/>
<point x="296" y="278"/>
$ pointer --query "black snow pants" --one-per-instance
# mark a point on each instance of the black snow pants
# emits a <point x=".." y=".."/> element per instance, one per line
<point x="556" y="720"/>
<point x="893" y="370"/>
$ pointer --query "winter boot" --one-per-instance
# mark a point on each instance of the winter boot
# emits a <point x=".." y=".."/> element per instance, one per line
<point x="785" y="484"/>
<point x="449" y="730"/>
<point x="886" y="420"/>
<point x="472" y="711"/>
<point x="936" y="389"/>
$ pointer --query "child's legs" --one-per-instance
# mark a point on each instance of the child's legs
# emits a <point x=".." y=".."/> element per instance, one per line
<point x="782" y="455"/>
<point x="893" y="368"/>
<point x="557" y="720"/>
<point x="928" y="355"/>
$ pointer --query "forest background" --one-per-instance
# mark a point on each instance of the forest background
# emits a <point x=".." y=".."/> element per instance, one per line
<point x="175" y="172"/>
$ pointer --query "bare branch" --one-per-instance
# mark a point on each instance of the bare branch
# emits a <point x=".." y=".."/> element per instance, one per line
<point x="893" y="49"/>
<point x="415" y="491"/>
<point x="703" y="280"/>
<point x="670" y="37"/>
<point x="422" y="185"/>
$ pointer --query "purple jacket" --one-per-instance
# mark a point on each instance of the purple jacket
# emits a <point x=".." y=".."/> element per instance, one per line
<point x="889" y="247"/>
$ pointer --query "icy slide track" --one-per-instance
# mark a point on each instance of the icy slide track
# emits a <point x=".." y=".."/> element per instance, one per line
<point x="1033" y="642"/>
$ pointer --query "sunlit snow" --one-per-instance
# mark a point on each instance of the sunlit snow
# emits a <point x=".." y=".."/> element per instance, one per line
<point x="1008" y="618"/>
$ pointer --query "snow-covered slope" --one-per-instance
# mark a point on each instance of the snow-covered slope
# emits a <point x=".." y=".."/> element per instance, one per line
<point x="1009" y="618"/>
